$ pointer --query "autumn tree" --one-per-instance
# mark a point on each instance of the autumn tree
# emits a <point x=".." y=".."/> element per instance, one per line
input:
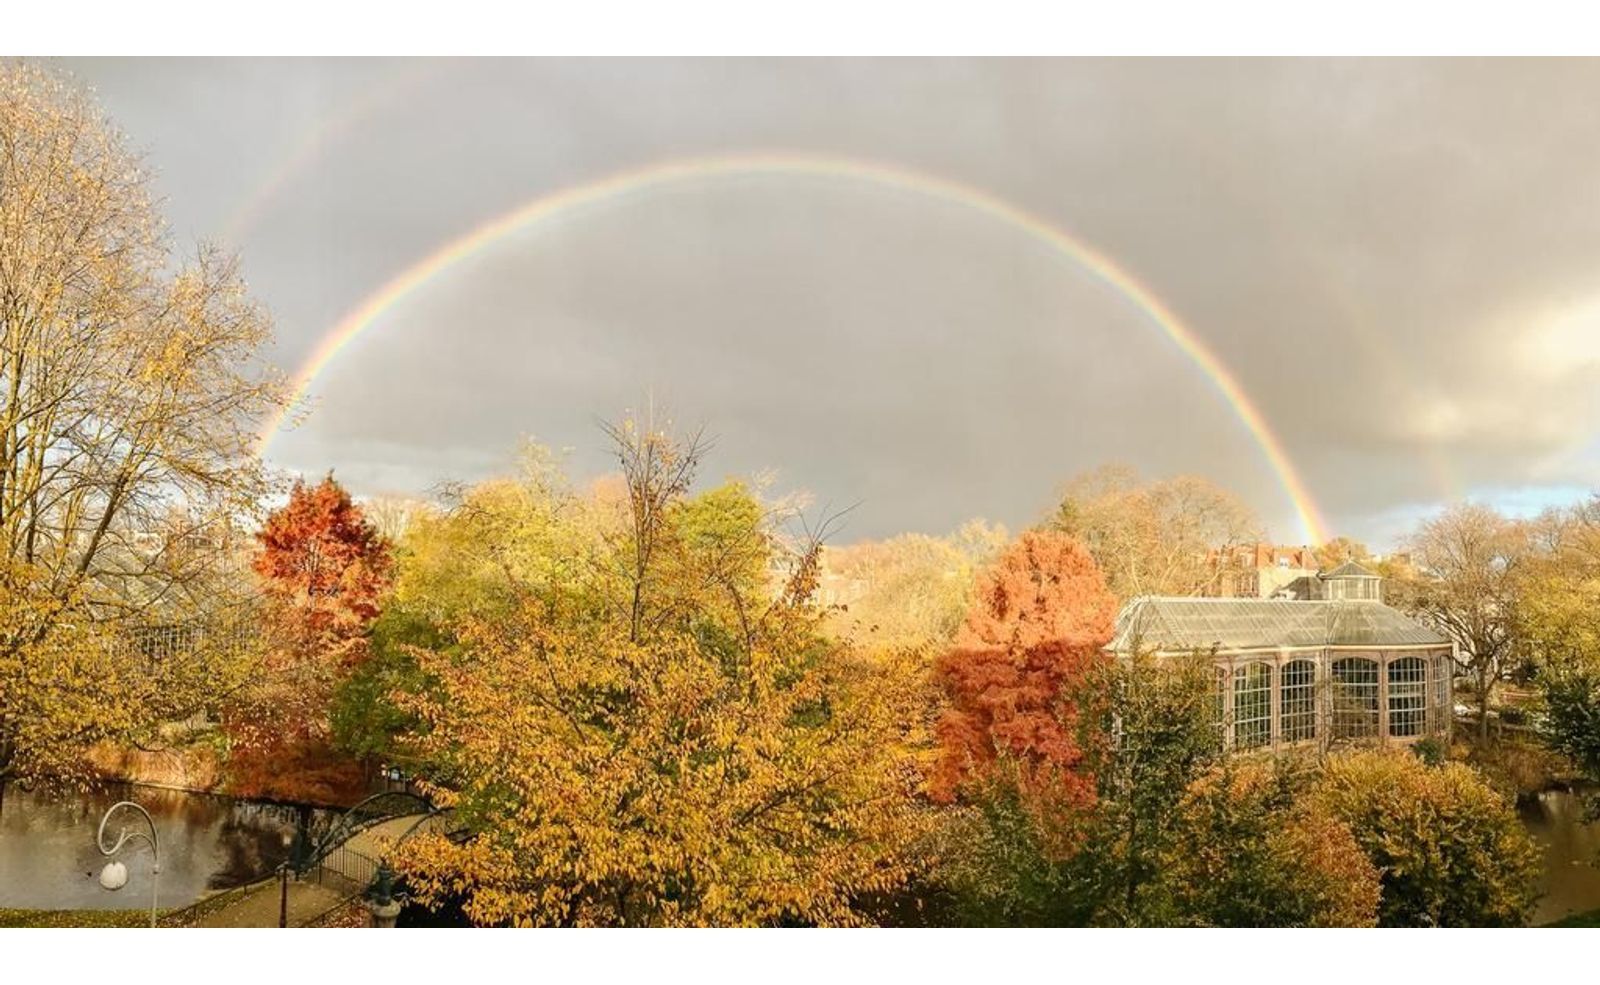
<point x="1161" y="715"/>
<point x="637" y="729"/>
<point x="131" y="387"/>
<point x="392" y="516"/>
<point x="1152" y="538"/>
<point x="1251" y="849"/>
<point x="62" y="685"/>
<point x="1470" y="562"/>
<point x="323" y="569"/>
<point x="1340" y="550"/>
<point x="1040" y="617"/>
<point x="910" y="591"/>
<point x="1558" y="627"/>
<point x="325" y="564"/>
<point x="473" y="557"/>
<point x="1147" y="728"/>
<point x="1450" y="851"/>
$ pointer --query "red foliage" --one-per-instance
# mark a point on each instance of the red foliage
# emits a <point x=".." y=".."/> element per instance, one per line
<point x="1038" y="625"/>
<point x="323" y="562"/>
<point x="295" y="768"/>
<point x="323" y="568"/>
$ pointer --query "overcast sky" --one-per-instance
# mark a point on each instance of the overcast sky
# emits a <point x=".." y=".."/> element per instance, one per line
<point x="1399" y="261"/>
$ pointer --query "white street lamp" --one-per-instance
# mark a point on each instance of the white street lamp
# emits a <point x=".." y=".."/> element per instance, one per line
<point x="115" y="874"/>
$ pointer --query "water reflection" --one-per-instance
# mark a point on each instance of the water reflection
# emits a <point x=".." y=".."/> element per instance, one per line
<point x="48" y="858"/>
<point x="1572" y="847"/>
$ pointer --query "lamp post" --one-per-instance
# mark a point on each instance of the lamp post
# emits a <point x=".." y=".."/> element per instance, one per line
<point x="385" y="909"/>
<point x="290" y="845"/>
<point x="115" y="874"/>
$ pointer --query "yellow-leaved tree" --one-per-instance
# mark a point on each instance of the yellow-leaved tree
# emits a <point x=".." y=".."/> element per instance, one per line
<point x="910" y="591"/>
<point x="130" y="390"/>
<point x="644" y="724"/>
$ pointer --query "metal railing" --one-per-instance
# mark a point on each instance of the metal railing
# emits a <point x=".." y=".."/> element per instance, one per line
<point x="344" y="866"/>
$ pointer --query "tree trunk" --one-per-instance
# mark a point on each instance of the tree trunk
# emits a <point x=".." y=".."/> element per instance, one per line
<point x="1483" y="707"/>
<point x="1132" y="872"/>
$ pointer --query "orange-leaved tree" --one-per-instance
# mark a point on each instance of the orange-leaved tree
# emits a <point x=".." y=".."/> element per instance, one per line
<point x="1041" y="616"/>
<point x="325" y="564"/>
<point x="323" y="569"/>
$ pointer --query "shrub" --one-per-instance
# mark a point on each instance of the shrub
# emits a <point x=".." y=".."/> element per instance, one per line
<point x="1431" y="751"/>
<point x="997" y="864"/>
<point x="1517" y="765"/>
<point x="1252" y="851"/>
<point x="1571" y="724"/>
<point x="1450" y="850"/>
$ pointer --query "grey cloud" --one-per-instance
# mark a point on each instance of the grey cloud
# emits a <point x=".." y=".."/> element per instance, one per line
<point x="1369" y="245"/>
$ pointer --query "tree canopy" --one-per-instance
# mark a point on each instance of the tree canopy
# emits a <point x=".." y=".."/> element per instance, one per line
<point x="659" y="736"/>
<point x="1470" y="561"/>
<point x="1040" y="618"/>
<point x="1152" y="538"/>
<point x="323" y="569"/>
<point x="907" y="592"/>
<point x="131" y="387"/>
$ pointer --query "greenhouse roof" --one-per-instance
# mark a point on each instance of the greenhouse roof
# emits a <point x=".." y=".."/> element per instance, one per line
<point x="1175" y="624"/>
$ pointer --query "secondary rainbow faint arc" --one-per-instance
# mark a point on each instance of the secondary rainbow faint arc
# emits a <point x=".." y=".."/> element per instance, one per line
<point x="686" y="170"/>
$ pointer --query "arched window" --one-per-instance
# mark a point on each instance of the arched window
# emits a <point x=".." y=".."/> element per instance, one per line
<point x="1355" y="697"/>
<point x="1408" y="697"/>
<point x="1252" y="706"/>
<point x="1298" y="704"/>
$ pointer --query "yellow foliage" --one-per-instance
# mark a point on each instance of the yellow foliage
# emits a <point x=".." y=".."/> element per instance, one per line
<point x="1450" y="849"/>
<point x="130" y="389"/>
<point x="635" y="733"/>
<point x="1252" y="850"/>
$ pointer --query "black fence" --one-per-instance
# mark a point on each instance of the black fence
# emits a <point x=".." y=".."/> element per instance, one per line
<point x="345" y="868"/>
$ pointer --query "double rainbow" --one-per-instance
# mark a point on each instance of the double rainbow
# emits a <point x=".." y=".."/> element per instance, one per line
<point x="654" y="177"/>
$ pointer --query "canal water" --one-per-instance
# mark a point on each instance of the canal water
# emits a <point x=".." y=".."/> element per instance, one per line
<point x="1571" y="881"/>
<point x="48" y="858"/>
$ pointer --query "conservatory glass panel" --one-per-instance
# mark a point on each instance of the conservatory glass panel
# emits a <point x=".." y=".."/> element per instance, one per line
<point x="1299" y="701"/>
<point x="1252" y="706"/>
<point x="1355" y="698"/>
<point x="1408" y="697"/>
<point x="1444" y="714"/>
<point x="1220" y="705"/>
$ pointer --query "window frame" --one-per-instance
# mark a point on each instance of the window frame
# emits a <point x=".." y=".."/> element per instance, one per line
<point x="1355" y="709"/>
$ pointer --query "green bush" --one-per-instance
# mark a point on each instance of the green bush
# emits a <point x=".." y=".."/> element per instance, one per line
<point x="1571" y="724"/>
<point x="1431" y="751"/>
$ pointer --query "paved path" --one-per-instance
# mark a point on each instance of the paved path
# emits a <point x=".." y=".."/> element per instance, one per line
<point x="259" y="907"/>
<point x="343" y="874"/>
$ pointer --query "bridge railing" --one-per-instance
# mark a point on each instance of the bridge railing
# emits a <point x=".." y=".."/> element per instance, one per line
<point x="343" y="866"/>
<point x="370" y="812"/>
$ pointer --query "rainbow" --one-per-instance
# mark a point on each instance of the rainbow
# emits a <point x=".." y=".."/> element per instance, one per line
<point x="699" y="169"/>
<point x="376" y="96"/>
